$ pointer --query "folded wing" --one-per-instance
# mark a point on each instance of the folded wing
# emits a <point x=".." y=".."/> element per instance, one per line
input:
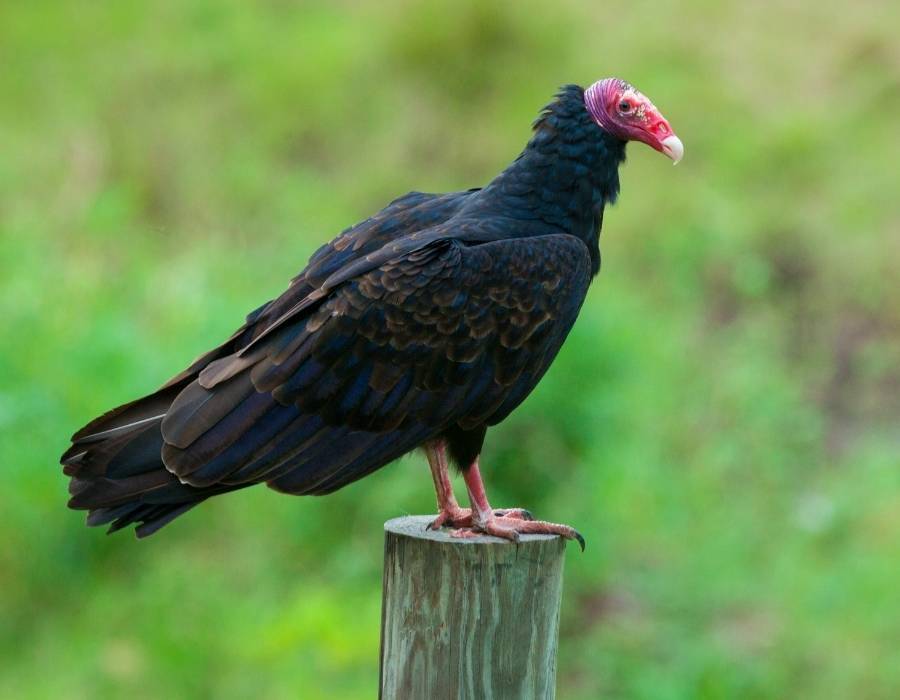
<point x="446" y="335"/>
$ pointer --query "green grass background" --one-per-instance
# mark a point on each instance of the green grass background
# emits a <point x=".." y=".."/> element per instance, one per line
<point x="722" y="424"/>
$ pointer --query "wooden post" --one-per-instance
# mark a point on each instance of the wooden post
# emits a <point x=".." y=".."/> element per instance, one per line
<point x="468" y="617"/>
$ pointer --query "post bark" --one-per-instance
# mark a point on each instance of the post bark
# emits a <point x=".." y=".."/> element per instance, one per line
<point x="468" y="618"/>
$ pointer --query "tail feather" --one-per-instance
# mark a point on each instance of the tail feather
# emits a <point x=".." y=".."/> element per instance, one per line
<point x="116" y="464"/>
<point x="145" y="409"/>
<point x="117" y="473"/>
<point x="149" y="518"/>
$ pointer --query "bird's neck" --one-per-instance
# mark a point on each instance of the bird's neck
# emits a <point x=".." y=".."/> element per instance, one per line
<point x="566" y="175"/>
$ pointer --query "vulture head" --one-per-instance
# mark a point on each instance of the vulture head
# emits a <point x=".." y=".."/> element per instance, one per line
<point x="627" y="114"/>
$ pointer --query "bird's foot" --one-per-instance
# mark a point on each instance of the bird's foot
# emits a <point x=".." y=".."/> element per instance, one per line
<point x="452" y="516"/>
<point x="510" y="527"/>
<point x="457" y="517"/>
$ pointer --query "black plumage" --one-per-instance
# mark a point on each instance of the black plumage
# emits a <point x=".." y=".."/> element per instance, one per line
<point x="431" y="320"/>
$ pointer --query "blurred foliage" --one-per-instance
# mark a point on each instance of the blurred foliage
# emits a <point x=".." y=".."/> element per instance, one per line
<point x="722" y="424"/>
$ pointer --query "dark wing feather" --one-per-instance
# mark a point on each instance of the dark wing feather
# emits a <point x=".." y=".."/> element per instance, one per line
<point x="115" y="462"/>
<point x="405" y="324"/>
<point x="447" y="334"/>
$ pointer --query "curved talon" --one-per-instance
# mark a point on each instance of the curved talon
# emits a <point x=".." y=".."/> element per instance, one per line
<point x="579" y="539"/>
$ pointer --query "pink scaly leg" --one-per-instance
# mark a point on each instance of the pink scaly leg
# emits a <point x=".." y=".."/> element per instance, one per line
<point x="449" y="512"/>
<point x="504" y="524"/>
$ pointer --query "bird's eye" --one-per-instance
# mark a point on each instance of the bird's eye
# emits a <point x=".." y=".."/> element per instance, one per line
<point x="624" y="106"/>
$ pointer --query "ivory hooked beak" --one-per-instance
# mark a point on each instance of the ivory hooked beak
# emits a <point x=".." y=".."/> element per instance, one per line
<point x="672" y="147"/>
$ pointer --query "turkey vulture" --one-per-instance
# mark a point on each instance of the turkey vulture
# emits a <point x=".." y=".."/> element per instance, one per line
<point x="419" y="327"/>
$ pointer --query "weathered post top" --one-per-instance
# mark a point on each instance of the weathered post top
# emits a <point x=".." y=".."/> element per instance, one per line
<point x="468" y="617"/>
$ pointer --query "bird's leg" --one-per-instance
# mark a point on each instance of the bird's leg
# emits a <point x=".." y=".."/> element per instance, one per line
<point x="449" y="511"/>
<point x="508" y="524"/>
